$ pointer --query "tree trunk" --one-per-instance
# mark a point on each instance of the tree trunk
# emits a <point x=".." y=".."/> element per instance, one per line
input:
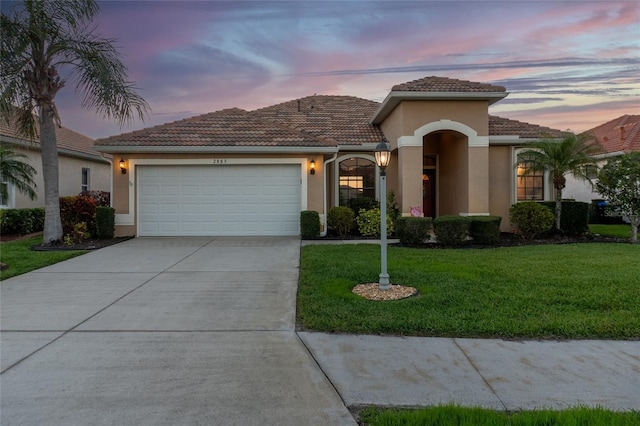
<point x="558" y="207"/>
<point x="49" y="150"/>
<point x="635" y="222"/>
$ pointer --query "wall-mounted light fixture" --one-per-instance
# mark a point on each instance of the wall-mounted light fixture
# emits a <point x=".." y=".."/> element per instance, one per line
<point x="312" y="167"/>
<point x="123" y="167"/>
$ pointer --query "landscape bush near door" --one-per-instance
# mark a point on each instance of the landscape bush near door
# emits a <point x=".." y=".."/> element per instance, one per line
<point x="451" y="230"/>
<point x="105" y="222"/>
<point x="413" y="231"/>
<point x="531" y="219"/>
<point x="309" y="224"/>
<point x="574" y="219"/>
<point x="341" y="219"/>
<point x="369" y="223"/>
<point x="485" y="229"/>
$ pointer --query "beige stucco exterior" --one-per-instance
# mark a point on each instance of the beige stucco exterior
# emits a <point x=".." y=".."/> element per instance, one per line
<point x="125" y="188"/>
<point x="70" y="177"/>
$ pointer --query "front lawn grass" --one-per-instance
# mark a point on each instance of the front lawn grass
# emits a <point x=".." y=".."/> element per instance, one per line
<point x="620" y="231"/>
<point x="21" y="259"/>
<point x="580" y="291"/>
<point x="449" y="415"/>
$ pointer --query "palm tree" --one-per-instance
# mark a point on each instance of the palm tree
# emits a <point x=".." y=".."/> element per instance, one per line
<point x="17" y="172"/>
<point x="570" y="156"/>
<point x="41" y="39"/>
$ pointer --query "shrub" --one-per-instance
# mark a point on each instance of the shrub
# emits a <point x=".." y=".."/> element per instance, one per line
<point x="21" y="221"/>
<point x="393" y="209"/>
<point x="369" y="223"/>
<point x="309" y="224"/>
<point x="74" y="210"/>
<point x="451" y="230"/>
<point x="341" y="219"/>
<point x="101" y="198"/>
<point x="531" y="218"/>
<point x="105" y="222"/>
<point x="413" y="230"/>
<point x="574" y="219"/>
<point x="485" y="229"/>
<point x="362" y="203"/>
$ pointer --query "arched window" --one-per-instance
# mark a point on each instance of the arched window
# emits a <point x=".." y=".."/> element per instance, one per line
<point x="530" y="185"/>
<point x="356" y="178"/>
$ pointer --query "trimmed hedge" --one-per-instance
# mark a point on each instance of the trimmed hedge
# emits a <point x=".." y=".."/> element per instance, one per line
<point x="451" y="230"/>
<point x="485" y="229"/>
<point x="309" y="224"/>
<point x="341" y="219"/>
<point x="105" y="222"/>
<point x="531" y="218"/>
<point x="574" y="219"/>
<point x="21" y="221"/>
<point x="413" y="231"/>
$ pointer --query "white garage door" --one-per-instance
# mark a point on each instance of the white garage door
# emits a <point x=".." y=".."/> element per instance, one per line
<point x="217" y="200"/>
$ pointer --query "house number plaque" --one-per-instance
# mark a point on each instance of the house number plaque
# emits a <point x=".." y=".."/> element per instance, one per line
<point x="219" y="161"/>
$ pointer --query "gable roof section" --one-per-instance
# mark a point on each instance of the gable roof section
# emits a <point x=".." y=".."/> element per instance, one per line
<point x="342" y="119"/>
<point x="446" y="85"/>
<point x="499" y="126"/>
<point x="438" y="89"/>
<point x="227" y="128"/>
<point x="621" y="134"/>
<point x="69" y="141"/>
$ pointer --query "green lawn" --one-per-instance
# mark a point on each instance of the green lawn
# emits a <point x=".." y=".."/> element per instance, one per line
<point x="21" y="259"/>
<point x="547" y="291"/>
<point x="457" y="416"/>
<point x="620" y="231"/>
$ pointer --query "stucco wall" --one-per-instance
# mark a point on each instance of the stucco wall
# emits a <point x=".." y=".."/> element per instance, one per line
<point x="70" y="177"/>
<point x="501" y="183"/>
<point x="122" y="183"/>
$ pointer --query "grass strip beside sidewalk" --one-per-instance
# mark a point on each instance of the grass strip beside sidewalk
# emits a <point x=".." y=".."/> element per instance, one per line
<point x="21" y="259"/>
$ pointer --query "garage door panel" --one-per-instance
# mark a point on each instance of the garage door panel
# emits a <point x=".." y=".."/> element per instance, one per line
<point x="219" y="200"/>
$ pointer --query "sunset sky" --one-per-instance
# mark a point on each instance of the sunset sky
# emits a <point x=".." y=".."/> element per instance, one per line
<point x="567" y="64"/>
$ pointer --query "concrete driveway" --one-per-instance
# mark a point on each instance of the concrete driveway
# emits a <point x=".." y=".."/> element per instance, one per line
<point x="162" y="331"/>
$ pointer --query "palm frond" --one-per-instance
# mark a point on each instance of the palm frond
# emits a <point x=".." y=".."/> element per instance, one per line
<point x="15" y="170"/>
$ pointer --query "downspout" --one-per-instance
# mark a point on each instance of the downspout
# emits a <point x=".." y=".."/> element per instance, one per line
<point x="110" y="179"/>
<point x="324" y="192"/>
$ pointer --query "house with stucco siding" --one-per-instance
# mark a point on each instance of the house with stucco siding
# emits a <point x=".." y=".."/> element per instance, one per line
<point x="237" y="172"/>
<point x="81" y="167"/>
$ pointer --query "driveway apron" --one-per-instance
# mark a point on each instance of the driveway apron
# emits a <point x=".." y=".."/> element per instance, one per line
<point x="162" y="331"/>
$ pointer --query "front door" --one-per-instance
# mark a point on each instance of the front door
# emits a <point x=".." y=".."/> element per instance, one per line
<point x="429" y="192"/>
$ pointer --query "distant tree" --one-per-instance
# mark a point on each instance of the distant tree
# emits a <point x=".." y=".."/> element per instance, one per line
<point x="570" y="156"/>
<point x="40" y="39"/>
<point x="619" y="183"/>
<point x="16" y="171"/>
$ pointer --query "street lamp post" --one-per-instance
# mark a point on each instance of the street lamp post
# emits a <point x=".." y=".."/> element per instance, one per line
<point x="383" y="155"/>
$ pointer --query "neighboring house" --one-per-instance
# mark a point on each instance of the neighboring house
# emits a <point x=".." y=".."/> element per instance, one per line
<point x="236" y="172"/>
<point x="81" y="167"/>
<point x="617" y="137"/>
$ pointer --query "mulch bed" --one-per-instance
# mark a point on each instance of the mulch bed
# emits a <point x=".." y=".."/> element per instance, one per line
<point x="91" y="244"/>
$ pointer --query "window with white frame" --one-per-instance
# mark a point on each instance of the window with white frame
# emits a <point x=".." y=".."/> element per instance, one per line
<point x="530" y="184"/>
<point x="357" y="178"/>
<point x="4" y="192"/>
<point x="85" y="179"/>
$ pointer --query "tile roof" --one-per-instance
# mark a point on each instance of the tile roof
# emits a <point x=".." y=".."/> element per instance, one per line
<point x="499" y="126"/>
<point x="444" y="84"/>
<point x="619" y="134"/>
<point x="67" y="139"/>
<point x="227" y="127"/>
<point x="343" y="119"/>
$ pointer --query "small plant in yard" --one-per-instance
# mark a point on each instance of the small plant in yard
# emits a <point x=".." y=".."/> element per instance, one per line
<point x="369" y="223"/>
<point x="413" y="231"/>
<point x="78" y="234"/>
<point x="451" y="230"/>
<point x="309" y="224"/>
<point x="341" y="219"/>
<point x="531" y="218"/>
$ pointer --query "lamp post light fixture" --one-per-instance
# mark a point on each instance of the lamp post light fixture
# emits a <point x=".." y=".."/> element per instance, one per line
<point x="383" y="155"/>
